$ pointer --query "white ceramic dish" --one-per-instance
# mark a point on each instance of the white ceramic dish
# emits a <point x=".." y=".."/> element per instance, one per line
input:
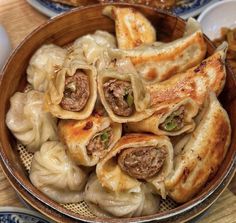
<point x="218" y="15"/>
<point x="5" y="46"/>
<point x="21" y="215"/>
<point x="184" y="8"/>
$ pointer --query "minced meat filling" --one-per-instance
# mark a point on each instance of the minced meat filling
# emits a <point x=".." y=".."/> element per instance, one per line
<point x="119" y="95"/>
<point x="174" y="121"/>
<point x="76" y="92"/>
<point x="100" y="142"/>
<point x="142" y="162"/>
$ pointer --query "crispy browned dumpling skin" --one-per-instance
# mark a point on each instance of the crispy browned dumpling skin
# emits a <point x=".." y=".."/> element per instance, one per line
<point x="112" y="177"/>
<point x="195" y="83"/>
<point x="132" y="28"/>
<point x="202" y="155"/>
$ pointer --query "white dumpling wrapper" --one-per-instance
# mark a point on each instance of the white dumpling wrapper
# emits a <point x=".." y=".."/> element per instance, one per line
<point x="103" y="203"/>
<point x="56" y="175"/>
<point x="28" y="121"/>
<point x="43" y="64"/>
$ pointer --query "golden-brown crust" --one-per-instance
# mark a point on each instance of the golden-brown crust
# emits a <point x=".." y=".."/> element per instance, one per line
<point x="113" y="178"/>
<point x="194" y="83"/>
<point x="76" y="135"/>
<point x="202" y="155"/>
<point x="132" y="28"/>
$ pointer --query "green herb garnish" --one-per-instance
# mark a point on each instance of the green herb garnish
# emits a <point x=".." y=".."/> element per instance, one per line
<point x="104" y="136"/>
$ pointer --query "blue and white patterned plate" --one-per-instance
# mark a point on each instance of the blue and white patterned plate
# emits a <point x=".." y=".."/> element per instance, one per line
<point x="21" y="215"/>
<point x="184" y="8"/>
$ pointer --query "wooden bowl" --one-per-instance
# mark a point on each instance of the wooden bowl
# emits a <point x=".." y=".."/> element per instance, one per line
<point x="63" y="30"/>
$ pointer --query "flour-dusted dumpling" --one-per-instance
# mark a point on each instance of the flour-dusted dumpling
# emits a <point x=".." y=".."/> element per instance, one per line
<point x="132" y="28"/>
<point x="159" y="61"/>
<point x="28" y="121"/>
<point x="90" y="139"/>
<point x="123" y="95"/>
<point x="136" y="158"/>
<point x="56" y="175"/>
<point x="72" y="92"/>
<point x="173" y="119"/>
<point x="93" y="48"/>
<point x="200" y="154"/>
<point x="103" y="203"/>
<point x="46" y="60"/>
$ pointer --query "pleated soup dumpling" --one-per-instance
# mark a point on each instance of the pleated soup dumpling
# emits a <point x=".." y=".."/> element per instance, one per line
<point x="104" y="203"/>
<point x="56" y="175"/>
<point x="93" y="48"/>
<point x="90" y="139"/>
<point x="136" y="158"/>
<point x="43" y="64"/>
<point x="28" y="121"/>
<point x="72" y="91"/>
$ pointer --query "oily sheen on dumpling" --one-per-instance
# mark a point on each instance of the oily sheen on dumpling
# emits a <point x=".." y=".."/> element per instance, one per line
<point x="200" y="156"/>
<point x="136" y="158"/>
<point x="28" y="121"/>
<point x="43" y="64"/>
<point x="53" y="173"/>
<point x="173" y="119"/>
<point x="90" y="139"/>
<point x="132" y="27"/>
<point x="139" y="202"/>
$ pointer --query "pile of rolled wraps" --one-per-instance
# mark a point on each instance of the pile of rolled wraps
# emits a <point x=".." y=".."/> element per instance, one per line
<point x="123" y="121"/>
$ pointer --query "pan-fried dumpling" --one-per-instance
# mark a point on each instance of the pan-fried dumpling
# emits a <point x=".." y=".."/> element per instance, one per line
<point x="93" y="48"/>
<point x="174" y="119"/>
<point x="132" y="28"/>
<point x="28" y="121"/>
<point x="136" y="157"/>
<point x="90" y="139"/>
<point x="72" y="91"/>
<point x="53" y="173"/>
<point x="202" y="155"/>
<point x="123" y="95"/>
<point x="195" y="83"/>
<point x="43" y="64"/>
<point x="103" y="203"/>
<point x="159" y="61"/>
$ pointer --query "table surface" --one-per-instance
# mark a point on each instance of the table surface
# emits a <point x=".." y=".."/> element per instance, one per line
<point x="20" y="19"/>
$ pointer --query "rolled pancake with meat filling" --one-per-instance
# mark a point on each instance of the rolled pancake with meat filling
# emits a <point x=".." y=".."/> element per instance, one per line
<point x="195" y="83"/>
<point x="123" y="96"/>
<point x="89" y="140"/>
<point x="136" y="157"/>
<point x="132" y="28"/>
<point x="175" y="119"/>
<point x="159" y="61"/>
<point x="202" y="155"/>
<point x="103" y="203"/>
<point x="72" y="91"/>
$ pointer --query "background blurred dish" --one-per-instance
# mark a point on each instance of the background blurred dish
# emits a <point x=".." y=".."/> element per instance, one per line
<point x="18" y="215"/>
<point x="220" y="14"/>
<point x="5" y="46"/>
<point x="184" y="8"/>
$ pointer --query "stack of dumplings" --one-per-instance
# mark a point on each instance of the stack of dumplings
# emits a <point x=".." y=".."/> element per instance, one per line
<point x="123" y="122"/>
